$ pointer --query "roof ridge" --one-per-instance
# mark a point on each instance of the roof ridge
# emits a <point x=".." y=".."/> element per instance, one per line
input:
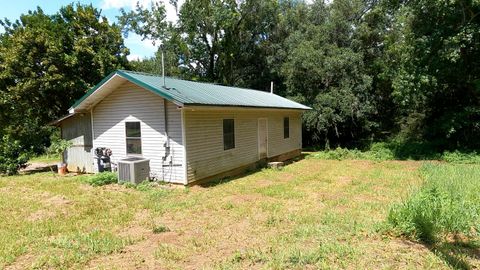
<point x="140" y="73"/>
<point x="207" y="83"/>
<point x="185" y="92"/>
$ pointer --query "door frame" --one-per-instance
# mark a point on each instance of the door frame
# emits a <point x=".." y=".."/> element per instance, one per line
<point x="266" y="136"/>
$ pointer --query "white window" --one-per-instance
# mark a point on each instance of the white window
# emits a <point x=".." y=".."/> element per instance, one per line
<point x="133" y="136"/>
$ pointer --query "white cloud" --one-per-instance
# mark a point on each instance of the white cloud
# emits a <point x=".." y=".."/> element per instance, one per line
<point x="171" y="12"/>
<point x="112" y="4"/>
<point x="131" y="4"/>
<point x="138" y="46"/>
<point x="136" y="57"/>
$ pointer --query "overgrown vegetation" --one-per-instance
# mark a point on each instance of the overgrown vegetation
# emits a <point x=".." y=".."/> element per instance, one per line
<point x="57" y="147"/>
<point x="47" y="61"/>
<point x="399" y="151"/>
<point x="103" y="178"/>
<point x="371" y="70"/>
<point x="13" y="155"/>
<point x="445" y="208"/>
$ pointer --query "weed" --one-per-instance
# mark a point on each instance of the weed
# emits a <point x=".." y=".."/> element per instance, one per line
<point x="403" y="151"/>
<point x="160" y="229"/>
<point x="103" y="178"/>
<point x="447" y="204"/>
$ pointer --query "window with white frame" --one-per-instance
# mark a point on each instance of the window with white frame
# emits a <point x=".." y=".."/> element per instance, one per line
<point x="133" y="135"/>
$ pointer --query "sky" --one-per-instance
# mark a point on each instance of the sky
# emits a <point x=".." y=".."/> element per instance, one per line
<point x="110" y="8"/>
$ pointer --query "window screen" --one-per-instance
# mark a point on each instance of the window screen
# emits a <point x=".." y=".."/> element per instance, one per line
<point x="133" y="135"/>
<point x="286" y="127"/>
<point x="228" y="134"/>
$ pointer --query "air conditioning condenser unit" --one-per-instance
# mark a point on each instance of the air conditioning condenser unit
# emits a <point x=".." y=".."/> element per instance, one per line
<point x="134" y="170"/>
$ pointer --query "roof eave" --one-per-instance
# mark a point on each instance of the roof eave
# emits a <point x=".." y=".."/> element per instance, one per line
<point x="126" y="76"/>
<point x="60" y="120"/>
<point x="189" y="105"/>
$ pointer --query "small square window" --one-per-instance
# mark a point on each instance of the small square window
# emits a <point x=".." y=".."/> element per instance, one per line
<point x="228" y="134"/>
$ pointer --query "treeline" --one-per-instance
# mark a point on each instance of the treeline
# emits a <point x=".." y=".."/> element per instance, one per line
<point x="47" y="62"/>
<point x="372" y="70"/>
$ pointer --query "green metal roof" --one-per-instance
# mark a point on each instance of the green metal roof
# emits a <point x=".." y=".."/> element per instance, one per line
<point x="197" y="93"/>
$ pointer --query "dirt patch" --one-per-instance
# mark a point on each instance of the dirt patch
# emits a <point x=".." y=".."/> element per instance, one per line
<point x="243" y="198"/>
<point x="24" y="261"/>
<point x="344" y="181"/>
<point x="58" y="201"/>
<point x="141" y="254"/>
<point x="407" y="244"/>
<point x="51" y="204"/>
<point x="41" y="214"/>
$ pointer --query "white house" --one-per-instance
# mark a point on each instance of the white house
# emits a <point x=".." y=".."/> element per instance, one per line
<point x="190" y="131"/>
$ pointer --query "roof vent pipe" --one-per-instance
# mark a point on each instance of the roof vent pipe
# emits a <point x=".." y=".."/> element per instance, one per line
<point x="163" y="67"/>
<point x="271" y="87"/>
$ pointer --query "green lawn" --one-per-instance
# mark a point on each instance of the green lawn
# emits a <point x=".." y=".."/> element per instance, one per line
<point x="312" y="214"/>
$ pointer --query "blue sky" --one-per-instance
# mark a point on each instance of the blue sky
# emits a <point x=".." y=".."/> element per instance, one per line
<point x="110" y="8"/>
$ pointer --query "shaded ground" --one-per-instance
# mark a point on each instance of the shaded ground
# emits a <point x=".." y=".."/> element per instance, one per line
<point x="312" y="214"/>
<point x="39" y="166"/>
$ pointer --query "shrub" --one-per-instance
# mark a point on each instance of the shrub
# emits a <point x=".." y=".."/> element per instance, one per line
<point x="447" y="204"/>
<point x="380" y="151"/>
<point x="12" y="156"/>
<point x="103" y="178"/>
<point x="57" y="147"/>
<point x="339" y="154"/>
<point x="377" y="151"/>
<point x="397" y="150"/>
<point x="459" y="157"/>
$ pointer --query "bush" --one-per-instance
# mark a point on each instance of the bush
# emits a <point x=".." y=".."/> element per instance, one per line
<point x="12" y="156"/>
<point x="57" y="147"/>
<point x="103" y="178"/>
<point x="403" y="151"/>
<point x="459" y="157"/>
<point x="447" y="204"/>
<point x="377" y="151"/>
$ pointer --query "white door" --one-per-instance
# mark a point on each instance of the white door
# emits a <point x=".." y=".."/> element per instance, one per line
<point x="262" y="138"/>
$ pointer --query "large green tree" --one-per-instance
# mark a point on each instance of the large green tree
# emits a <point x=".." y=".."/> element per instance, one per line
<point x="324" y="70"/>
<point x="436" y="69"/>
<point x="370" y="69"/>
<point x="48" y="61"/>
<point x="219" y="41"/>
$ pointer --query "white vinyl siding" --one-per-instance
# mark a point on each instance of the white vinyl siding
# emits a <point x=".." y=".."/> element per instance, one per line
<point x="204" y="138"/>
<point x="130" y="103"/>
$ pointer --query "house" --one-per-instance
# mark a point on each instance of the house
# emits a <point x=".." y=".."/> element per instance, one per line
<point x="189" y="130"/>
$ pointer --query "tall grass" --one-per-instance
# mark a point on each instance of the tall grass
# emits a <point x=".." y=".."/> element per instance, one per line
<point x="397" y="151"/>
<point x="447" y="205"/>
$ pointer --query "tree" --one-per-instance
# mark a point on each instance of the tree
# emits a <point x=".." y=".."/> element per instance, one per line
<point x="218" y="41"/>
<point x="49" y="61"/>
<point x="370" y="69"/>
<point x="324" y="71"/>
<point x="436" y="75"/>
